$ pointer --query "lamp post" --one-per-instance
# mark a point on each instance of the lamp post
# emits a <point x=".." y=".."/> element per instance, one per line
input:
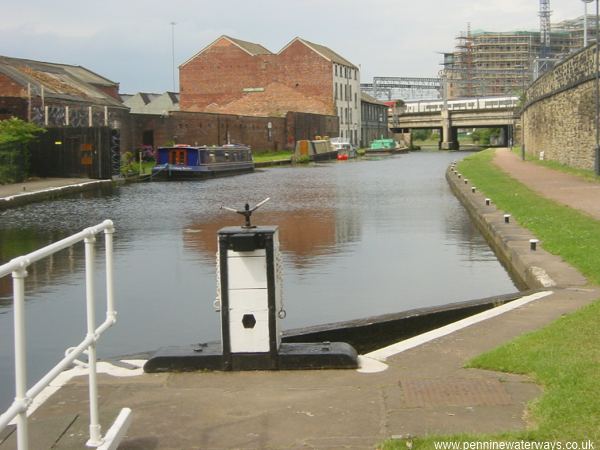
<point x="523" y="96"/>
<point x="173" y="53"/>
<point x="585" y="27"/>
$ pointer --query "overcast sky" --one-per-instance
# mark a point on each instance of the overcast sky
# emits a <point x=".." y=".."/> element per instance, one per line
<point x="129" y="41"/>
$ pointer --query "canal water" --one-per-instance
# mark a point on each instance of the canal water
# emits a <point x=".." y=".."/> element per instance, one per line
<point x="359" y="238"/>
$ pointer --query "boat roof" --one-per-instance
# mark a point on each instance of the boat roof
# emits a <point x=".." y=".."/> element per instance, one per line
<point x="207" y="147"/>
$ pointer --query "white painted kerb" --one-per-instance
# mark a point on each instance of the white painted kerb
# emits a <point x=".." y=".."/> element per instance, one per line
<point x="383" y="353"/>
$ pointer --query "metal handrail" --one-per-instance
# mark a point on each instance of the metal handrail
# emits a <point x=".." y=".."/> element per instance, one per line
<point x="24" y="397"/>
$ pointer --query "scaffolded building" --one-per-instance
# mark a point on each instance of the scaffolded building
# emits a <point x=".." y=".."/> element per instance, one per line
<point x="488" y="63"/>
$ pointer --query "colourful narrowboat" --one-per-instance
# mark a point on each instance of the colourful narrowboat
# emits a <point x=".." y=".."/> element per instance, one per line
<point x="186" y="162"/>
<point x="317" y="150"/>
<point x="384" y="146"/>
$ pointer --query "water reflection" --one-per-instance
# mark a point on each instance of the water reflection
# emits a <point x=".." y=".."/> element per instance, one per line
<point x="304" y="234"/>
<point x="44" y="273"/>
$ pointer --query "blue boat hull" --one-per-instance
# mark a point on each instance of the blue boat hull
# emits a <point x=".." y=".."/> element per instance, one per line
<point x="175" y="172"/>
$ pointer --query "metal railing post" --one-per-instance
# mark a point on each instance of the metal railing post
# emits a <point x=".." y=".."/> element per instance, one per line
<point x="24" y="399"/>
<point x="20" y="356"/>
<point x="95" y="429"/>
<point x="110" y="295"/>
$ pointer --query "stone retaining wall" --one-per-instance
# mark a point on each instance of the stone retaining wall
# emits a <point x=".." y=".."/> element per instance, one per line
<point x="559" y="116"/>
<point x="510" y="242"/>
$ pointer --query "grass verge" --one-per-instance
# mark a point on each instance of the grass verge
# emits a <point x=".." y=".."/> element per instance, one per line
<point x="134" y="168"/>
<point x="271" y="156"/>
<point x="563" y="231"/>
<point x="564" y="357"/>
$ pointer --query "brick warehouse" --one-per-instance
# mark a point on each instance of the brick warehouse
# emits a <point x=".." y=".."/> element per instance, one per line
<point x="197" y="128"/>
<point x="58" y="95"/>
<point x="81" y="110"/>
<point x="231" y="76"/>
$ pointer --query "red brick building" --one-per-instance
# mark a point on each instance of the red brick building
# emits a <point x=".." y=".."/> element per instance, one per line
<point x="231" y="76"/>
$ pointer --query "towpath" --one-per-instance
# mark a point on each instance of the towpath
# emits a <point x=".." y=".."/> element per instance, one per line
<point x="42" y="184"/>
<point x="561" y="187"/>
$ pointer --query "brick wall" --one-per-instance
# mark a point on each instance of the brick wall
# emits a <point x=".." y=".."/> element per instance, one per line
<point x="196" y="128"/>
<point x="13" y="100"/>
<point x="218" y="75"/>
<point x="9" y="88"/>
<point x="559" y="114"/>
<point x="302" y="69"/>
<point x="297" y="79"/>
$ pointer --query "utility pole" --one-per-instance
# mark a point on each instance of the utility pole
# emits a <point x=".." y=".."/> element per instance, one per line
<point x="585" y="22"/>
<point x="173" y="53"/>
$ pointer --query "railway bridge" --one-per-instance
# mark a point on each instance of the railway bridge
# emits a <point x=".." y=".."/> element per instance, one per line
<point x="450" y="116"/>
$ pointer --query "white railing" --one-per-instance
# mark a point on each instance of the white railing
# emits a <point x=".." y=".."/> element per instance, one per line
<point x="24" y="397"/>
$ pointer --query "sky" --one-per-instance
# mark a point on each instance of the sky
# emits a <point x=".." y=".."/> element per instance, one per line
<point x="131" y="41"/>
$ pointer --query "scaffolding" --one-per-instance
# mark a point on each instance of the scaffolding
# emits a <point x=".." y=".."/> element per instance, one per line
<point x="503" y="63"/>
<point x="405" y="88"/>
<point x="545" y="28"/>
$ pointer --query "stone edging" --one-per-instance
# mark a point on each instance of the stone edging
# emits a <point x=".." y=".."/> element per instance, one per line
<point x="13" y="201"/>
<point x="531" y="269"/>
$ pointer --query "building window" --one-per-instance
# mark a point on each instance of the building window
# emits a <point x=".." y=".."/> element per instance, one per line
<point x="335" y="65"/>
<point x="355" y="100"/>
<point x="336" y="92"/>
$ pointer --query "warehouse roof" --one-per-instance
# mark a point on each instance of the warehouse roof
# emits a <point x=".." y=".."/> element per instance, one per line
<point x="61" y="81"/>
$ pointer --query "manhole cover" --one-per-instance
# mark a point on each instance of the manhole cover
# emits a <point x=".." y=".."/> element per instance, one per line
<point x="463" y="392"/>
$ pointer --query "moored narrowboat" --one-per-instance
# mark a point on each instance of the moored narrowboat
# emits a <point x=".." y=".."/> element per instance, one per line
<point x="186" y="162"/>
<point x="384" y="146"/>
<point x="317" y="150"/>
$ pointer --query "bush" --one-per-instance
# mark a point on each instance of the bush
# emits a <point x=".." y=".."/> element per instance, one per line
<point x="15" y="134"/>
<point x="17" y="130"/>
<point x="484" y="135"/>
<point x="421" y="135"/>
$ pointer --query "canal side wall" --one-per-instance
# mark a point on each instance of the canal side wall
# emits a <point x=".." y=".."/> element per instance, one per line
<point x="13" y="201"/>
<point x="559" y="115"/>
<point x="533" y="269"/>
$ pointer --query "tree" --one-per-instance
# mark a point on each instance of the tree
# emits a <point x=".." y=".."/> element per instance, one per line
<point x="483" y="135"/>
<point x="421" y="135"/>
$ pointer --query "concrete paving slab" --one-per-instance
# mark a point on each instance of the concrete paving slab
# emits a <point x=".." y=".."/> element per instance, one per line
<point x="44" y="433"/>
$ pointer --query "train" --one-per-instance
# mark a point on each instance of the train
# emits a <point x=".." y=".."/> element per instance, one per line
<point x="426" y="106"/>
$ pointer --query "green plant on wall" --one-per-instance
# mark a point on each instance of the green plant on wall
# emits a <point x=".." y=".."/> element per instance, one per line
<point x="17" y="130"/>
<point x="15" y="134"/>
